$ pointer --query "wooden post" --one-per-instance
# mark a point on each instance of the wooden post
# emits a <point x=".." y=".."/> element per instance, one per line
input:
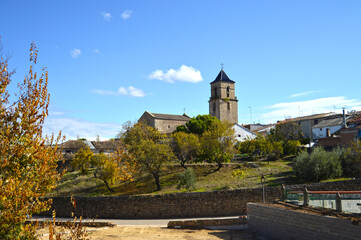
<point x="283" y="193"/>
<point x="305" y="197"/>
<point x="338" y="202"/>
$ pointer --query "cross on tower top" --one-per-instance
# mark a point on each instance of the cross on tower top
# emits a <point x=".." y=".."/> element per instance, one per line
<point x="222" y="66"/>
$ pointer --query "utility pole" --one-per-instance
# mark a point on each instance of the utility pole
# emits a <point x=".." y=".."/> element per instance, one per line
<point x="250" y="110"/>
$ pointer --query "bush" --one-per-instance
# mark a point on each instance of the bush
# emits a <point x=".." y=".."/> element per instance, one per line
<point x="187" y="179"/>
<point x="238" y="174"/>
<point x="82" y="160"/>
<point x="291" y="147"/>
<point x="318" y="165"/>
<point x="351" y="160"/>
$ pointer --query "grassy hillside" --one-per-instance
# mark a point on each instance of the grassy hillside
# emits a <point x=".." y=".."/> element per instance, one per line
<point x="276" y="172"/>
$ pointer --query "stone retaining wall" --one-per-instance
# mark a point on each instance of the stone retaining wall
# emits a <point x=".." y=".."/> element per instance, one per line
<point x="199" y="224"/>
<point x="180" y="205"/>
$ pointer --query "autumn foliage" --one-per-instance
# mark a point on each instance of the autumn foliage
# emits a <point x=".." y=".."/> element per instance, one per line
<point x="27" y="159"/>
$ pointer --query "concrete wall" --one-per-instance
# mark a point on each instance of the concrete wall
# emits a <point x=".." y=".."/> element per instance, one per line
<point x="278" y="223"/>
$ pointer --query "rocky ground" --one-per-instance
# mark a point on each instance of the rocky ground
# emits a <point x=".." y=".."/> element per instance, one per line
<point x="355" y="218"/>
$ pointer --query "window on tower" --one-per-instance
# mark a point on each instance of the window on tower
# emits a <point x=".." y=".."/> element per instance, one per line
<point x="228" y="91"/>
<point x="215" y="92"/>
<point x="228" y="105"/>
<point x="214" y="107"/>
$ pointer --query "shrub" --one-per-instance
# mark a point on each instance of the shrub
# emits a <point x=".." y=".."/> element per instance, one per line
<point x="187" y="179"/>
<point x="238" y="173"/>
<point x="318" y="165"/>
<point x="82" y="160"/>
<point x="351" y="160"/>
<point x="291" y="147"/>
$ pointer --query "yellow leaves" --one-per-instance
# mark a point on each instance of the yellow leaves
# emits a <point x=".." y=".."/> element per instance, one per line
<point x="27" y="165"/>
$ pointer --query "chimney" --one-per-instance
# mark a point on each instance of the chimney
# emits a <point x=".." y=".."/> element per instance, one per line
<point x="344" y="125"/>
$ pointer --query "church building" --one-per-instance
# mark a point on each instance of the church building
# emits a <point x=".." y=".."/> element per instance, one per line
<point x="165" y="123"/>
<point x="223" y="103"/>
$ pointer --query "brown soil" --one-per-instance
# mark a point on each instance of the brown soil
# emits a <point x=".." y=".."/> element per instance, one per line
<point x="355" y="218"/>
<point x="147" y="232"/>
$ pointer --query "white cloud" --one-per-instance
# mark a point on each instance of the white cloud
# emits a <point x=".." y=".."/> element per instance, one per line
<point x="122" y="91"/>
<point x="281" y="111"/>
<point x="304" y="93"/>
<point x="103" y="92"/>
<point x="97" y="51"/>
<point x="130" y="91"/>
<point x="56" y="113"/>
<point x="73" y="127"/>
<point x="106" y="16"/>
<point x="74" y="53"/>
<point x="127" y="14"/>
<point x="183" y="74"/>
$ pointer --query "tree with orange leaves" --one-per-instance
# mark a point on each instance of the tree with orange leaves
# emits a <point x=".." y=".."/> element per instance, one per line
<point x="119" y="166"/>
<point x="28" y="161"/>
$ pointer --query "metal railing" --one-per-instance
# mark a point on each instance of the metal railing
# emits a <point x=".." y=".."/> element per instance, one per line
<point x="347" y="201"/>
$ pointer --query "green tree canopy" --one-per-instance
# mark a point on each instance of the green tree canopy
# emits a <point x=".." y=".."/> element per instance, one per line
<point x="150" y="148"/>
<point x="198" y="125"/>
<point x="318" y="165"/>
<point x="285" y="132"/>
<point x="82" y="159"/>
<point x="119" y="166"/>
<point x="217" y="144"/>
<point x="185" y="147"/>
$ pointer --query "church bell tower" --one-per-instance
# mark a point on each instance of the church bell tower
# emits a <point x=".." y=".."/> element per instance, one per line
<point x="223" y="104"/>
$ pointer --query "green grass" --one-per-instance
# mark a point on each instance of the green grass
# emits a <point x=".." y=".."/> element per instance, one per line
<point x="276" y="173"/>
<point x="337" y="179"/>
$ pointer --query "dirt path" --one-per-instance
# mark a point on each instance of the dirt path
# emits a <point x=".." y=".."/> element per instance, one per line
<point x="160" y="233"/>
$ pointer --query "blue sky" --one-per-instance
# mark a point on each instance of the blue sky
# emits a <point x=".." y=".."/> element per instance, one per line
<point x="109" y="61"/>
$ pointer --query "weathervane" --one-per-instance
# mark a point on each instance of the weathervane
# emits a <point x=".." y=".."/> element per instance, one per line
<point x="222" y="66"/>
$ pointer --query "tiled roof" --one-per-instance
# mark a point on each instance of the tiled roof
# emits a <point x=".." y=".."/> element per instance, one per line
<point x="355" y="118"/>
<point x="309" y="117"/>
<point x="111" y="145"/>
<point x="183" y="117"/>
<point x="329" y="123"/>
<point x="222" y="77"/>
<point x="76" y="144"/>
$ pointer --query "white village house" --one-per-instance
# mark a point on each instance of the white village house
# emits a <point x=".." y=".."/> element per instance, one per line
<point x="242" y="134"/>
<point x="327" y="127"/>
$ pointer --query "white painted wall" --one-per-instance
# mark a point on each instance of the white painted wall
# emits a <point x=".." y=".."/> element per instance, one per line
<point x="242" y="134"/>
<point x="322" y="132"/>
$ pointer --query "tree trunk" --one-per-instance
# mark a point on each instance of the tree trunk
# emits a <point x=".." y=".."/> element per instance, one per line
<point x="157" y="182"/>
<point x="106" y="183"/>
<point x="183" y="164"/>
<point x="219" y="166"/>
